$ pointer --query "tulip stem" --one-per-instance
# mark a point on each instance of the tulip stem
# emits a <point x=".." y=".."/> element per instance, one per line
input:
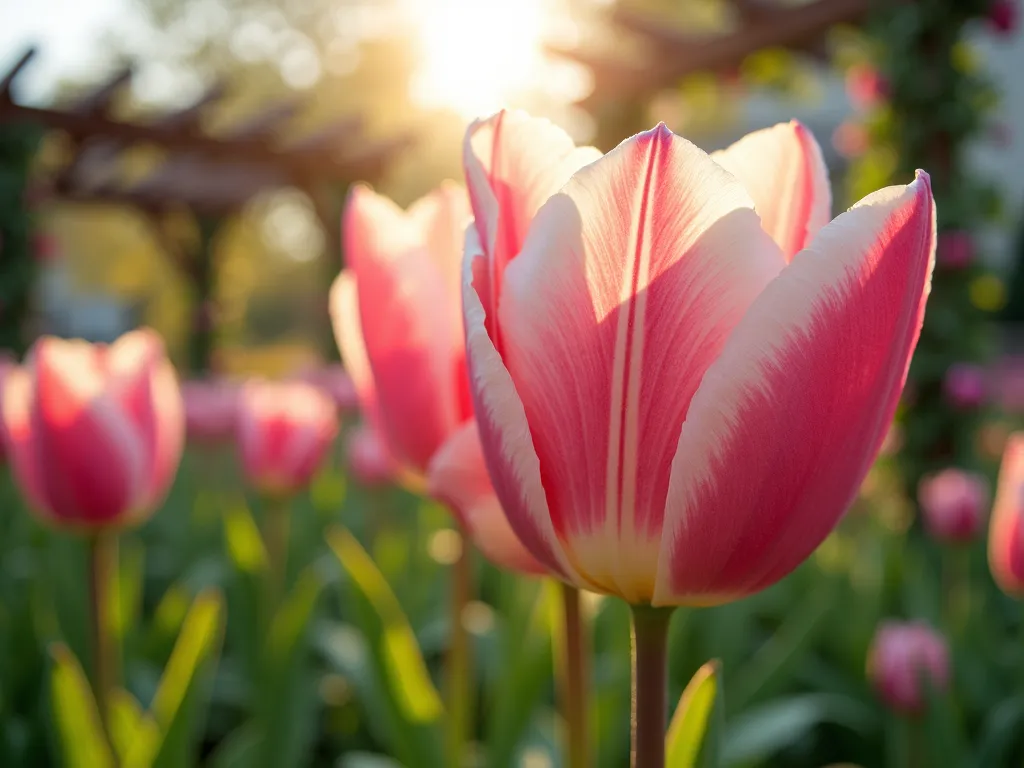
<point x="650" y="692"/>
<point x="574" y="657"/>
<point x="460" y="657"/>
<point x="102" y="578"/>
<point x="275" y="539"/>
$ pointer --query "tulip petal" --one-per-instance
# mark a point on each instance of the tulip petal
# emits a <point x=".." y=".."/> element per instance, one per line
<point x="508" y="448"/>
<point x="629" y="283"/>
<point x="348" y="332"/>
<point x="414" y="350"/>
<point x="143" y="381"/>
<point x="513" y="164"/>
<point x="458" y="478"/>
<point x="1006" y="534"/>
<point x="90" y="456"/>
<point x="784" y="172"/>
<point x="787" y="421"/>
<point x="20" y="438"/>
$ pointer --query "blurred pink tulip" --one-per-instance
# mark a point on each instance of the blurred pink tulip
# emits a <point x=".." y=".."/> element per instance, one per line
<point x="397" y="319"/>
<point x="678" y="399"/>
<point x="955" y="249"/>
<point x="210" y="410"/>
<point x="368" y="457"/>
<point x="336" y="382"/>
<point x="1003" y="16"/>
<point x="1006" y="531"/>
<point x="284" y="430"/>
<point x="901" y="653"/>
<point x="7" y="364"/>
<point x="954" y="504"/>
<point x="94" y="433"/>
<point x="965" y="385"/>
<point x="866" y="86"/>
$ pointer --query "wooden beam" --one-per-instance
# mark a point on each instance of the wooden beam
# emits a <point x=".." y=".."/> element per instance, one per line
<point x="786" y="26"/>
<point x="8" y="79"/>
<point x="264" y="124"/>
<point x="97" y="101"/>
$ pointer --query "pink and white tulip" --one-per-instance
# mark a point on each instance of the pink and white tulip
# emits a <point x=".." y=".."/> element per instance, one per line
<point x="94" y="433"/>
<point x="901" y="654"/>
<point x="1006" y="531"/>
<point x="283" y="430"/>
<point x="397" y="319"/>
<point x="211" y="407"/>
<point x="677" y="398"/>
<point x="954" y="504"/>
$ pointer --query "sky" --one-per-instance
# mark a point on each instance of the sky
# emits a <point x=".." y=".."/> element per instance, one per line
<point x="66" y="32"/>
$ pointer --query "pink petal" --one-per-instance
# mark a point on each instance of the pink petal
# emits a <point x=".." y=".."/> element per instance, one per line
<point x="19" y="437"/>
<point x="1006" y="533"/>
<point x="458" y="477"/>
<point x="144" y="382"/>
<point x="89" y="456"/>
<point x="513" y="164"/>
<point x="508" y="448"/>
<point x="629" y="284"/>
<point x="787" y="421"/>
<point x="368" y="457"/>
<point x="414" y="349"/>
<point x="783" y="170"/>
<point x="348" y="333"/>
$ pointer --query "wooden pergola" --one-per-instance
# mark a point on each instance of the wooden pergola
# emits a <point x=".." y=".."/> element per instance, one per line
<point x="667" y="54"/>
<point x="213" y="176"/>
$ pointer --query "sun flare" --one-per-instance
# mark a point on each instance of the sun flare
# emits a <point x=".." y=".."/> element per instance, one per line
<point x="476" y="54"/>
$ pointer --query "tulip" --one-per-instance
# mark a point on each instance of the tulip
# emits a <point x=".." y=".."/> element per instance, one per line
<point x="336" y="382"/>
<point x="283" y="433"/>
<point x="1006" y="532"/>
<point x="677" y="398"/>
<point x="368" y="457"/>
<point x="210" y="411"/>
<point x="1003" y="16"/>
<point x="94" y="433"/>
<point x="866" y="86"/>
<point x="954" y="503"/>
<point x="398" y="324"/>
<point x="901" y="654"/>
<point x="955" y="249"/>
<point x="7" y="364"/>
<point x="964" y="386"/>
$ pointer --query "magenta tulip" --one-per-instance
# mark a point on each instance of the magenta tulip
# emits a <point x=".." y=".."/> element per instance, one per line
<point x="1006" y="532"/>
<point x="902" y="653"/>
<point x="678" y="398"/>
<point x="368" y="457"/>
<point x="94" y="433"/>
<point x="954" y="504"/>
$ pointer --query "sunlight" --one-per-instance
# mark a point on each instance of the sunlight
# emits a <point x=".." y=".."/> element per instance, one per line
<point x="476" y="54"/>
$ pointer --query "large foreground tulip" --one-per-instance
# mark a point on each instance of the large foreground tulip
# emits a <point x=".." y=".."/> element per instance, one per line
<point x="94" y="433"/>
<point x="397" y="319"/>
<point x="679" y="399"/>
<point x="1006" y="532"/>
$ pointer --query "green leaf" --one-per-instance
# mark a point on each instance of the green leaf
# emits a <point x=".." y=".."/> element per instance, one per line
<point x="165" y="737"/>
<point x="407" y="673"/>
<point x="688" y="735"/>
<point x="242" y="537"/>
<point x="760" y="733"/>
<point x="125" y="715"/>
<point x="77" y="718"/>
<point x="1000" y="728"/>
<point x="773" y="662"/>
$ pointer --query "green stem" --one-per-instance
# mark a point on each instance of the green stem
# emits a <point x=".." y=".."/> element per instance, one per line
<point x="460" y="658"/>
<point x="650" y="693"/>
<point x="574" y="657"/>
<point x="275" y="538"/>
<point x="102" y="582"/>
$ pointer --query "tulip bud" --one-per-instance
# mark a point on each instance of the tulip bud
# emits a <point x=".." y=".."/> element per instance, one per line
<point x="368" y="457"/>
<point x="210" y="410"/>
<point x="903" y="656"/>
<point x="866" y="86"/>
<point x="284" y="430"/>
<point x="336" y="382"/>
<point x="955" y="249"/>
<point x="1003" y="16"/>
<point x="94" y="433"/>
<point x="1006" y="533"/>
<point x="964" y="385"/>
<point x="954" y="503"/>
